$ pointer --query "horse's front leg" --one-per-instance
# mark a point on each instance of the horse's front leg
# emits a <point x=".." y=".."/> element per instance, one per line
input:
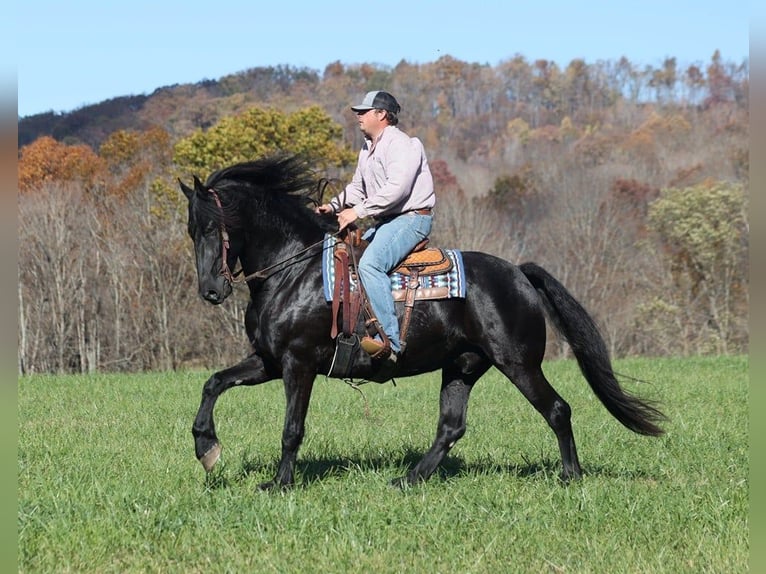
<point x="250" y="371"/>
<point x="298" y="387"/>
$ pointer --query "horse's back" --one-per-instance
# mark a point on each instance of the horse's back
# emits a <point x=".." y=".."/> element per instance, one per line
<point x="501" y="307"/>
<point x="491" y="276"/>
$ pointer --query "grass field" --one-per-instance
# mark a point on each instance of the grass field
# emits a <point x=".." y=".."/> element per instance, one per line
<point x="108" y="481"/>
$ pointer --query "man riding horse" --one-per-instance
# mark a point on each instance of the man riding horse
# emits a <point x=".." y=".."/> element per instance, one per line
<point x="393" y="185"/>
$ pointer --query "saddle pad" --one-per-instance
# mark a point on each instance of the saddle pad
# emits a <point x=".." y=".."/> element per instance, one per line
<point x="442" y="286"/>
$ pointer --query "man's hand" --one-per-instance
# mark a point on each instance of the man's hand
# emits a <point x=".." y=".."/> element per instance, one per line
<point x="346" y="218"/>
<point x="324" y="208"/>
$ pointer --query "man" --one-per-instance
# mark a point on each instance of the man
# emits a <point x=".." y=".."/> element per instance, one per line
<point x="393" y="185"/>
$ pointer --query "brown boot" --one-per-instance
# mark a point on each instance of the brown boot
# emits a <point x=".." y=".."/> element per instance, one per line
<point x="376" y="349"/>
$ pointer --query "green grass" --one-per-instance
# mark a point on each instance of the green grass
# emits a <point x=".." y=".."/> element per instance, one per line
<point x="108" y="481"/>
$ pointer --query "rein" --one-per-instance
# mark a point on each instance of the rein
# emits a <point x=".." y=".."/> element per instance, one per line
<point x="262" y="274"/>
<point x="266" y="272"/>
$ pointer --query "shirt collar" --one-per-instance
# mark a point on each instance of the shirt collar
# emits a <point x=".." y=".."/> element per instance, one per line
<point x="372" y="143"/>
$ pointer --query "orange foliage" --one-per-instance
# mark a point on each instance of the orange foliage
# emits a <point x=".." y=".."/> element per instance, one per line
<point x="634" y="195"/>
<point x="131" y="147"/>
<point x="133" y="156"/>
<point x="48" y="161"/>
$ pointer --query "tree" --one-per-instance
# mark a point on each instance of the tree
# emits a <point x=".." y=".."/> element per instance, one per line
<point x="719" y="81"/>
<point x="56" y="296"/>
<point x="48" y="161"/>
<point x="694" y="84"/>
<point x="583" y="242"/>
<point x="258" y="132"/>
<point x="146" y="318"/>
<point x="664" y="81"/>
<point x="704" y="231"/>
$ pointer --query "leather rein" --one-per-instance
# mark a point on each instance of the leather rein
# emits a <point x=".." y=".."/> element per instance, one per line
<point x="261" y="274"/>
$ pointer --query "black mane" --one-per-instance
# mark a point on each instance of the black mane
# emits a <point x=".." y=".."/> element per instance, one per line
<point x="278" y="191"/>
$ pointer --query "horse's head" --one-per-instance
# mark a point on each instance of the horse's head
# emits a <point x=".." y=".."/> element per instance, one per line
<point x="214" y="250"/>
<point x="256" y="212"/>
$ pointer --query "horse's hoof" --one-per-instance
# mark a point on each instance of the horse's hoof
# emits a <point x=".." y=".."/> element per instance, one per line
<point x="274" y="486"/>
<point x="211" y="457"/>
<point x="570" y="477"/>
<point x="401" y="483"/>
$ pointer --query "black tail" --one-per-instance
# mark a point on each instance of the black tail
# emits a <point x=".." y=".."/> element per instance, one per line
<point x="582" y="334"/>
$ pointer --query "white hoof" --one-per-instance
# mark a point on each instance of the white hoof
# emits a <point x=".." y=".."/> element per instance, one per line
<point x="211" y="457"/>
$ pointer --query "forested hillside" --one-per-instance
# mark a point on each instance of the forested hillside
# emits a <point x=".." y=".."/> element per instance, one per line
<point x="628" y="183"/>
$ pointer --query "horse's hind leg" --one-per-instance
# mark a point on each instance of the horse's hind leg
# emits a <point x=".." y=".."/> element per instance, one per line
<point x="532" y="383"/>
<point x="457" y="382"/>
<point x="250" y="371"/>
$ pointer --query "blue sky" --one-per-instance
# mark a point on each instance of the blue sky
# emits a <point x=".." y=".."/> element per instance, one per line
<point x="78" y="52"/>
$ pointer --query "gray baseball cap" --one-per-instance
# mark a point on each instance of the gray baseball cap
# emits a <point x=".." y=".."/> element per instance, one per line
<point x="378" y="100"/>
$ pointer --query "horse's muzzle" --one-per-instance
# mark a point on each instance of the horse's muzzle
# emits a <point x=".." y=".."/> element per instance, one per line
<point x="215" y="294"/>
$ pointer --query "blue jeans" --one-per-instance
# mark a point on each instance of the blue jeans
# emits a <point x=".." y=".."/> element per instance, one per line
<point x="390" y="243"/>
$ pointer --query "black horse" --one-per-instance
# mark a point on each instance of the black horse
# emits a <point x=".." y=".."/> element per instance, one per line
<point x="260" y="214"/>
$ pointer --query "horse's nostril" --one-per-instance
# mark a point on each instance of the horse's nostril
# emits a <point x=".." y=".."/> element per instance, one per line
<point x="212" y="295"/>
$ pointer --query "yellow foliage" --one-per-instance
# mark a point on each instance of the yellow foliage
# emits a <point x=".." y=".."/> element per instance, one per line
<point x="128" y="147"/>
<point x="568" y="129"/>
<point x="519" y="129"/>
<point x="656" y="127"/>
<point x="706" y="224"/>
<point x="259" y="132"/>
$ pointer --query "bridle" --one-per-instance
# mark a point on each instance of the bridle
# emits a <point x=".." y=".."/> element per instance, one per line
<point x="261" y="274"/>
<point x="225" y="271"/>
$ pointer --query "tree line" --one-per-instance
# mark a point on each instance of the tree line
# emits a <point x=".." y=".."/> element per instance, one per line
<point x="630" y="184"/>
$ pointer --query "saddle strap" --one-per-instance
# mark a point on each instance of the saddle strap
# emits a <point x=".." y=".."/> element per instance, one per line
<point x="354" y="297"/>
<point x="354" y="301"/>
<point x="347" y="296"/>
<point x="341" y="289"/>
<point x="413" y="283"/>
<point x="342" y="293"/>
<point x="356" y="305"/>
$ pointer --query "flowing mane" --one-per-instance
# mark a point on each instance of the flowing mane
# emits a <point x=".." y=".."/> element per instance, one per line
<point x="278" y="191"/>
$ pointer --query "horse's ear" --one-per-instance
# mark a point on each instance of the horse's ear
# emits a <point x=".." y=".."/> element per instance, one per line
<point x="198" y="185"/>
<point x="188" y="191"/>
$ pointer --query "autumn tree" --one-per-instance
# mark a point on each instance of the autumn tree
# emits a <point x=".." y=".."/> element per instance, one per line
<point x="106" y="285"/>
<point x="663" y="81"/>
<point x="258" y="132"/>
<point x="48" y="161"/>
<point x="142" y="231"/>
<point x="57" y="278"/>
<point x="704" y="232"/>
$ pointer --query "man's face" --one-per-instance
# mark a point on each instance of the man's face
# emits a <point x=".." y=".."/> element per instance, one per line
<point x="371" y="122"/>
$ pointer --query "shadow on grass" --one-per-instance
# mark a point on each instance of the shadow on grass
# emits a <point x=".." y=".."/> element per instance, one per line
<point x="316" y="469"/>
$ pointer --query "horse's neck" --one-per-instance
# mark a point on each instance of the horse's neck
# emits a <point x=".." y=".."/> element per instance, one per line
<point x="274" y="254"/>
